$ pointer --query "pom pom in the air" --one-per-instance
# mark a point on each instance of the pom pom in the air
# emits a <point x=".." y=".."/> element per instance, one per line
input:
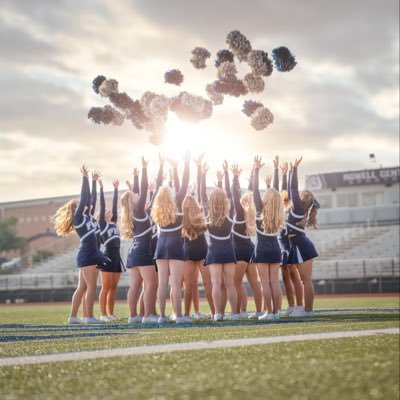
<point x="260" y="63"/>
<point x="239" y="44"/>
<point x="189" y="107"/>
<point x="233" y="87"/>
<point x="108" y="87"/>
<point x="227" y="70"/>
<point x="249" y="106"/>
<point x="121" y="101"/>
<point x="174" y="76"/>
<point x="213" y="95"/>
<point x="200" y="55"/>
<point x="283" y="58"/>
<point x="261" y="118"/>
<point x="136" y="115"/>
<point x="97" y="82"/>
<point x="223" y="56"/>
<point x="154" y="105"/>
<point x="253" y="83"/>
<point x="106" y="115"/>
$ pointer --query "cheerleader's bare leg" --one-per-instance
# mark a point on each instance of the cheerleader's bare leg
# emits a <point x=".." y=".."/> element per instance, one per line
<point x="298" y="286"/>
<point x="287" y="281"/>
<point x="252" y="278"/>
<point x="263" y="273"/>
<point x="206" y="279"/>
<point x="112" y="292"/>
<point x="163" y="279"/>
<point x="176" y="273"/>
<point x="78" y="296"/>
<point x="228" y="271"/>
<point x="196" y="300"/>
<point x="305" y="270"/>
<point x="275" y="286"/>
<point x="90" y="275"/>
<point x="133" y="292"/>
<point x="148" y="274"/>
<point x="240" y="270"/>
<point x="189" y="280"/>
<point x="106" y="279"/>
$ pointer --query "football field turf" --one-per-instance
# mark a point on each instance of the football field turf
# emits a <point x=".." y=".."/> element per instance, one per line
<point x="348" y="368"/>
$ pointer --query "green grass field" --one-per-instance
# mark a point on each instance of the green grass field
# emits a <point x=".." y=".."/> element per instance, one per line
<point x="345" y="368"/>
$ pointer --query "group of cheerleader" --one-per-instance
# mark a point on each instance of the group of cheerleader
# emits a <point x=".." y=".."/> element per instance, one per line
<point x="178" y="233"/>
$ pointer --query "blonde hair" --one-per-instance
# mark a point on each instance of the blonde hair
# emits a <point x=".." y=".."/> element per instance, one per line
<point x="164" y="208"/>
<point x="249" y="209"/>
<point x="272" y="213"/>
<point x="193" y="218"/>
<point x="127" y="207"/>
<point x="63" y="218"/>
<point x="218" y="207"/>
<point x="310" y="212"/>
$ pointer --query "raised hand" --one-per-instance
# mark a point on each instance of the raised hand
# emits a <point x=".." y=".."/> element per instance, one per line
<point x="115" y="183"/>
<point x="276" y="162"/>
<point x="284" y="168"/>
<point x="152" y="185"/>
<point x="100" y="183"/>
<point x="161" y="159"/>
<point x="220" y="176"/>
<point x="144" y="163"/>
<point x="199" y="159"/>
<point x="96" y="175"/>
<point x="291" y="167"/>
<point x="204" y="168"/>
<point x="225" y="166"/>
<point x="84" y="170"/>
<point x="268" y="180"/>
<point x="135" y="172"/>
<point x="297" y="162"/>
<point x="129" y="185"/>
<point x="236" y="171"/>
<point x="258" y="162"/>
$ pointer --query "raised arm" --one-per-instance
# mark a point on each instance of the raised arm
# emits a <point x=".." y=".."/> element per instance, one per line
<point x="203" y="191"/>
<point x="250" y="186"/>
<point x="228" y="187"/>
<point x="198" y="166"/>
<point x="78" y="216"/>
<point x="185" y="182"/>
<point x="256" y="191"/>
<point x="93" y="200"/>
<point x="294" y="190"/>
<point x="144" y="185"/>
<point x="220" y="178"/>
<point x="115" y="201"/>
<point x="284" y="169"/>
<point x="135" y="187"/>
<point x="236" y="193"/>
<point x="102" y="221"/>
<point x="276" y="173"/>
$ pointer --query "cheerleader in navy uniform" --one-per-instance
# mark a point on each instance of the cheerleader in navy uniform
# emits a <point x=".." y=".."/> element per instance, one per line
<point x="195" y="251"/>
<point x="221" y="259"/>
<point x="95" y="177"/>
<point x="166" y="212"/>
<point x="136" y="225"/>
<point x="290" y="274"/>
<point x="267" y="253"/>
<point x="244" y="227"/>
<point x="74" y="216"/>
<point x="111" y="240"/>
<point x="303" y="214"/>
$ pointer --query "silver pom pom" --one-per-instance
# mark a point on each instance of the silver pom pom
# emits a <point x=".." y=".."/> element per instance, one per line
<point x="253" y="83"/>
<point x="200" y="54"/>
<point x="261" y="118"/>
<point x="174" y="77"/>
<point x="213" y="95"/>
<point x="227" y="70"/>
<point x="260" y="63"/>
<point x="108" y="87"/>
<point x="239" y="44"/>
<point x="155" y="105"/>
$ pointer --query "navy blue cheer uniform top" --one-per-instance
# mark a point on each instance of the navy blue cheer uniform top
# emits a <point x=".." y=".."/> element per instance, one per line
<point x="110" y="235"/>
<point x="140" y="252"/>
<point x="301" y="247"/>
<point x="88" y="252"/>
<point x="220" y="250"/>
<point x="170" y="241"/>
<point x="267" y="248"/>
<point x="242" y="243"/>
<point x="93" y="201"/>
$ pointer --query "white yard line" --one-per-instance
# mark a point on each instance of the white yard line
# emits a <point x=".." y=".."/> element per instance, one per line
<point x="171" y="347"/>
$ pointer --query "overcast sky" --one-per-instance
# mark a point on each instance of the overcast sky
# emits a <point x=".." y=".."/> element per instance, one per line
<point x="340" y="103"/>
